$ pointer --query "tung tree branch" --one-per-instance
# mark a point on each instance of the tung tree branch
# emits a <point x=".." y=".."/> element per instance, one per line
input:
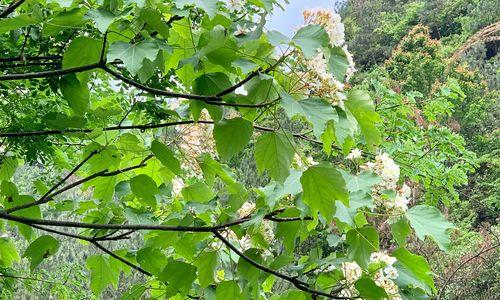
<point x="11" y="8"/>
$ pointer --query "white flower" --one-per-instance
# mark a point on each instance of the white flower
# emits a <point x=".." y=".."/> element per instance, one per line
<point x="241" y="30"/>
<point x="235" y="5"/>
<point x="352" y="271"/>
<point x="311" y="161"/>
<point x="267" y="230"/>
<point x="246" y="209"/>
<point x="355" y="154"/>
<point x="391" y="272"/>
<point x="382" y="257"/>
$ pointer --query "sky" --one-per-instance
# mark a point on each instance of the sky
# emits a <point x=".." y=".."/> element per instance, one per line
<point x="286" y="21"/>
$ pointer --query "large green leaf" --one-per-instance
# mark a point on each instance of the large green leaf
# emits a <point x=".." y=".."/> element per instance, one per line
<point x="198" y="192"/>
<point x="179" y="276"/>
<point x="323" y="184"/>
<point x="145" y="188"/>
<point x="231" y="136"/>
<point x="166" y="157"/>
<point x="152" y="260"/>
<point x="209" y="6"/>
<point x="274" y="153"/>
<point x="40" y="249"/>
<point x="361" y="106"/>
<point x="209" y="84"/>
<point x="8" y="253"/>
<point x="228" y="290"/>
<point x="102" y="18"/>
<point x="369" y="290"/>
<point x="82" y="51"/>
<point x="133" y="55"/>
<point x="207" y="266"/>
<point x="317" y="111"/>
<point x="413" y="270"/>
<point x="310" y="38"/>
<point x="9" y="24"/>
<point x="362" y="242"/>
<point x="428" y="221"/>
<point x="76" y="93"/>
<point x="337" y="62"/>
<point x="102" y="274"/>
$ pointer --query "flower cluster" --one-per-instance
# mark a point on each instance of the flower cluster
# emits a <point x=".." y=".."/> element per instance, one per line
<point x="317" y="79"/>
<point x="352" y="272"/>
<point x="389" y="172"/>
<point x="385" y="276"/>
<point x="246" y="209"/>
<point x="301" y="164"/>
<point x="235" y="5"/>
<point x="329" y="20"/>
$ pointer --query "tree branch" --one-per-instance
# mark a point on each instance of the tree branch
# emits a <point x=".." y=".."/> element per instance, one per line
<point x="296" y="282"/>
<point x="103" y="173"/>
<point x="11" y="8"/>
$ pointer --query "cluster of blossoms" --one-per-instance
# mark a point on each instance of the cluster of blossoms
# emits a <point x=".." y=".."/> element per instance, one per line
<point x="388" y="171"/>
<point x="317" y="79"/>
<point x="235" y="5"/>
<point x="301" y="164"/>
<point x="385" y="276"/>
<point x="352" y="272"/>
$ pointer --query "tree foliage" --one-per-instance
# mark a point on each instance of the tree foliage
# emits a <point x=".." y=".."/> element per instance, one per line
<point x="148" y="108"/>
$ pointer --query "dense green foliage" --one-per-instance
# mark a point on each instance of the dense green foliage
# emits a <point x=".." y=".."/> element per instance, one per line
<point x="178" y="149"/>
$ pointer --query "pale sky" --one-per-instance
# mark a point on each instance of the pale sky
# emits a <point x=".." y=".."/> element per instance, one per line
<point x="286" y="21"/>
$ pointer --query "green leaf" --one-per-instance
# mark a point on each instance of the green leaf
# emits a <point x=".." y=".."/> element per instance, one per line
<point x="274" y="153"/>
<point x="212" y="168"/>
<point x="361" y="243"/>
<point x="75" y="93"/>
<point x="9" y="24"/>
<point x="209" y="6"/>
<point x="8" y="166"/>
<point x="179" y="276"/>
<point x="337" y="63"/>
<point x="309" y="38"/>
<point x="400" y="231"/>
<point x="134" y="293"/>
<point x="102" y="18"/>
<point x="145" y="188"/>
<point x="322" y="185"/>
<point x="8" y="253"/>
<point x="369" y="290"/>
<point x="102" y="273"/>
<point x="362" y="182"/>
<point x="231" y="136"/>
<point x="198" y="192"/>
<point x="133" y="55"/>
<point x="40" y="249"/>
<point x="413" y="270"/>
<point x="82" y="51"/>
<point x="210" y="84"/>
<point x="228" y="290"/>
<point x="207" y="266"/>
<point x="152" y="260"/>
<point x="317" y="111"/>
<point x="428" y="221"/>
<point x="166" y="157"/>
<point x="261" y="89"/>
<point x="361" y="106"/>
